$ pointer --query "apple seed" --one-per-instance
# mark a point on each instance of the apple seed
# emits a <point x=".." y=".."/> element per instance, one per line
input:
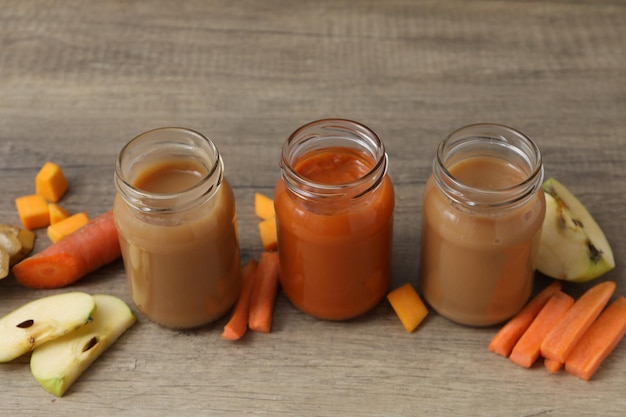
<point x="26" y="324"/>
<point x="92" y="342"/>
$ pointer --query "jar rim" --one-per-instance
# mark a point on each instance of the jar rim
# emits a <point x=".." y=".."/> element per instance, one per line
<point x="148" y="201"/>
<point x="302" y="140"/>
<point x="499" y="138"/>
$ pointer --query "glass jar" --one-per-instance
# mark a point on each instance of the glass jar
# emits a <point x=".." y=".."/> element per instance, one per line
<point x="175" y="214"/>
<point x="334" y="206"/>
<point x="483" y="209"/>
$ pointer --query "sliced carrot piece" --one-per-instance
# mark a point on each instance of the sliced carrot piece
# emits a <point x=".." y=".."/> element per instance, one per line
<point x="408" y="306"/>
<point x="238" y="323"/>
<point x="598" y="341"/>
<point x="552" y="366"/>
<point x="267" y="230"/>
<point x="504" y="341"/>
<point x="67" y="226"/>
<point x="57" y="213"/>
<point x="33" y="211"/>
<point x="527" y="349"/>
<point x="560" y="341"/>
<point x="264" y="293"/>
<point x="50" y="182"/>
<point x="82" y="252"/>
<point x="263" y="206"/>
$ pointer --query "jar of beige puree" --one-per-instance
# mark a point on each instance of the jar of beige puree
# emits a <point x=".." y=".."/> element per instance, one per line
<point x="483" y="209"/>
<point x="175" y="214"/>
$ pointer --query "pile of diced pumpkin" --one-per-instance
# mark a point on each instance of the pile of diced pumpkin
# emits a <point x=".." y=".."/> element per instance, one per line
<point x="41" y="209"/>
<point x="37" y="211"/>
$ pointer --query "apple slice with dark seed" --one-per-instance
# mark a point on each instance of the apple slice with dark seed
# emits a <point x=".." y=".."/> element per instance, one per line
<point x="56" y="365"/>
<point x="42" y="320"/>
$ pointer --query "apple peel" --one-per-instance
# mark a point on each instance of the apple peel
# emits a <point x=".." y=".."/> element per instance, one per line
<point x="573" y="247"/>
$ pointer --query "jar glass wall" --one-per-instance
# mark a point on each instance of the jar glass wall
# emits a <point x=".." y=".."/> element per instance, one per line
<point x="483" y="210"/>
<point x="334" y="205"/>
<point x="175" y="215"/>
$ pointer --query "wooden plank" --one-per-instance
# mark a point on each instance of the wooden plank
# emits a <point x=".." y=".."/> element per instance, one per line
<point x="78" y="81"/>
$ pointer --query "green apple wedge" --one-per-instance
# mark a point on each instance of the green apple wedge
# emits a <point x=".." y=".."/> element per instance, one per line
<point x="42" y="320"/>
<point x="573" y="246"/>
<point x="57" y="364"/>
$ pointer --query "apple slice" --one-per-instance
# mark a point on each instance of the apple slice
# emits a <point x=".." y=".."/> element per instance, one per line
<point x="573" y="247"/>
<point x="58" y="363"/>
<point x="42" y="320"/>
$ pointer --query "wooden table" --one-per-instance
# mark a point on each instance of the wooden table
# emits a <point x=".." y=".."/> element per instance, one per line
<point x="80" y="79"/>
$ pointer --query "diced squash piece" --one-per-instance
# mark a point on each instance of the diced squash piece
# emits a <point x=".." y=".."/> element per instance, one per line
<point x="67" y="226"/>
<point x="263" y="206"/>
<point x="267" y="230"/>
<point x="50" y="182"/>
<point x="57" y="213"/>
<point x="408" y="306"/>
<point x="33" y="211"/>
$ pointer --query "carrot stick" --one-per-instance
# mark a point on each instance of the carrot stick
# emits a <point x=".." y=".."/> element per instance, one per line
<point x="527" y="349"/>
<point x="62" y="263"/>
<point x="552" y="366"/>
<point x="503" y="342"/>
<point x="238" y="323"/>
<point x="560" y="341"/>
<point x="599" y="341"/>
<point x="264" y="293"/>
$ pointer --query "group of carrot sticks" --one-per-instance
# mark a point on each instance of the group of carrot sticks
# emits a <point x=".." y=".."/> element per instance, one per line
<point x="576" y="334"/>
<point x="255" y="306"/>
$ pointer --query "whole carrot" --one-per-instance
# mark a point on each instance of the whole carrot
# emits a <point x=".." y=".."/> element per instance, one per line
<point x="503" y="342"/>
<point x="238" y="323"/>
<point x="599" y="341"/>
<point x="62" y="263"/>
<point x="560" y="341"/>
<point x="527" y="349"/>
<point x="264" y="293"/>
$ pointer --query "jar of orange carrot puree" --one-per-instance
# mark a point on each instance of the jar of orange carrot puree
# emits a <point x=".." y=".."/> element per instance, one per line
<point x="483" y="209"/>
<point x="334" y="206"/>
<point x="175" y="214"/>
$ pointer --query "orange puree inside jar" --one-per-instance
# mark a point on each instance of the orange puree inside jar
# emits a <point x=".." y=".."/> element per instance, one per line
<point x="339" y="167"/>
<point x="335" y="255"/>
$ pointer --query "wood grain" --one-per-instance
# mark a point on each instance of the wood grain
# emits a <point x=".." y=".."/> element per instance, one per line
<point x="80" y="79"/>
